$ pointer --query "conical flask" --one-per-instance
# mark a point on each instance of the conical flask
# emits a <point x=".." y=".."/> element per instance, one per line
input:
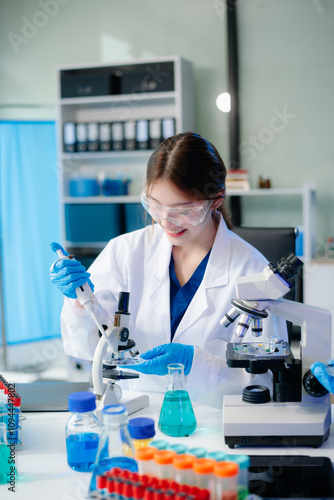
<point x="115" y="447"/>
<point x="177" y="417"/>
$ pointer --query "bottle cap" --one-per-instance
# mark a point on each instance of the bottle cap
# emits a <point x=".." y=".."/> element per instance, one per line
<point x="159" y="444"/>
<point x="226" y="469"/>
<point x="141" y="428"/>
<point x="242" y="460"/>
<point x="198" y="452"/>
<point x="204" y="465"/>
<point x="219" y="456"/>
<point x="81" y="401"/>
<point x="114" y="410"/>
<point x="164" y="456"/>
<point x="180" y="449"/>
<point x="17" y="400"/>
<point x="101" y="481"/>
<point x="145" y="453"/>
<point x="183" y="461"/>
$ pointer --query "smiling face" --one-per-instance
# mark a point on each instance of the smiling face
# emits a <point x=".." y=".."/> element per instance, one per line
<point x="164" y="195"/>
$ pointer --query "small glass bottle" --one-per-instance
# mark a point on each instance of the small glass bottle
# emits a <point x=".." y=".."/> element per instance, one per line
<point x="115" y="447"/>
<point x="177" y="417"/>
<point x="141" y="431"/>
<point x="82" y="431"/>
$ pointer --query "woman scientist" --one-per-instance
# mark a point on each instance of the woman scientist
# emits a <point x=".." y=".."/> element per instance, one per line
<point x="180" y="273"/>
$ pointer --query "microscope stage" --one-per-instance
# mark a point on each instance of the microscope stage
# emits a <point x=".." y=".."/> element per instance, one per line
<point x="272" y="424"/>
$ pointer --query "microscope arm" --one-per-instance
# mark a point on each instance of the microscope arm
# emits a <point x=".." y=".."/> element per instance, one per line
<point x="315" y="325"/>
<point x="97" y="367"/>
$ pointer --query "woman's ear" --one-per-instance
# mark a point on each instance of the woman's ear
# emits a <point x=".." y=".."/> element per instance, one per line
<point x="219" y="200"/>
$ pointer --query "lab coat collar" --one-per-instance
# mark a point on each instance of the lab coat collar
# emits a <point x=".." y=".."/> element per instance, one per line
<point x="158" y="265"/>
<point x="216" y="274"/>
<point x="217" y="271"/>
<point x="159" y="261"/>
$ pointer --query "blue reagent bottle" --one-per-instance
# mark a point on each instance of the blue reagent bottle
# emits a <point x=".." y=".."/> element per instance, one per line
<point x="82" y="431"/>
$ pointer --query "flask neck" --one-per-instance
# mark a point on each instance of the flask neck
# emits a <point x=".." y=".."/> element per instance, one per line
<point x="176" y="380"/>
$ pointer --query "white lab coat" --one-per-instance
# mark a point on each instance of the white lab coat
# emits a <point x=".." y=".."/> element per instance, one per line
<point x="138" y="262"/>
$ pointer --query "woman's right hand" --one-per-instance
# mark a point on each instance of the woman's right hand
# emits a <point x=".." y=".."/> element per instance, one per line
<point x="68" y="274"/>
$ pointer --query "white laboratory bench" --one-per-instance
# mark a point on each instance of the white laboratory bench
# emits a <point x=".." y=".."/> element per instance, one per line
<point x="44" y="473"/>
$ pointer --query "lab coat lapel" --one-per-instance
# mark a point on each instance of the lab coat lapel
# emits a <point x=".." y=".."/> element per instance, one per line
<point x="216" y="275"/>
<point x="158" y="267"/>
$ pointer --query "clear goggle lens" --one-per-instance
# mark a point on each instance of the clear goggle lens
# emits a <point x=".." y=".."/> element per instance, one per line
<point x="192" y="214"/>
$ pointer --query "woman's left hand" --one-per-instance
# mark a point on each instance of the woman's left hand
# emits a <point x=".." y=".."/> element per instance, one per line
<point x="160" y="357"/>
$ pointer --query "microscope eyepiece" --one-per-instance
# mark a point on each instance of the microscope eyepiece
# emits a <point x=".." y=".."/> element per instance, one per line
<point x="123" y="302"/>
<point x="287" y="267"/>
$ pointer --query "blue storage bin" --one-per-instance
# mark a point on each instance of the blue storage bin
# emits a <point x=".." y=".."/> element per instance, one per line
<point x="92" y="222"/>
<point x="84" y="187"/>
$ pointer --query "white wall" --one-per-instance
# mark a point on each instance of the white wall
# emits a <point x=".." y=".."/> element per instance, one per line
<point x="286" y="67"/>
<point x="287" y="63"/>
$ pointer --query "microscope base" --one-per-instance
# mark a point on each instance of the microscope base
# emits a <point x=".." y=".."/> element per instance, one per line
<point x="275" y="424"/>
<point x="130" y="399"/>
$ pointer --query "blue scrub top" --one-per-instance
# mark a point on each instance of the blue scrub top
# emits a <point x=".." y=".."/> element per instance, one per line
<point x="180" y="297"/>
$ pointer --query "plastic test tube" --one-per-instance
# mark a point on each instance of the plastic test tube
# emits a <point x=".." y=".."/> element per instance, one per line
<point x="204" y="476"/>
<point x="145" y="458"/>
<point x="183" y="467"/>
<point x="226" y="474"/>
<point x="243" y="481"/>
<point x="164" y="463"/>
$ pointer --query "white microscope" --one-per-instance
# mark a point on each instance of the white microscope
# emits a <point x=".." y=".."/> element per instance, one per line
<point x="108" y="365"/>
<point x="298" y="413"/>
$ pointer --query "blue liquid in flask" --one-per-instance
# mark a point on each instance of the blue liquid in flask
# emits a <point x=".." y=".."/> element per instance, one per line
<point x="177" y="417"/>
<point x="81" y="450"/>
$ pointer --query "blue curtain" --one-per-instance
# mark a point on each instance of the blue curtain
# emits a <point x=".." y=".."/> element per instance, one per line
<point x="29" y="221"/>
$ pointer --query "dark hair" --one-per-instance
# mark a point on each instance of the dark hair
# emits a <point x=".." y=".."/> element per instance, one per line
<point x="192" y="165"/>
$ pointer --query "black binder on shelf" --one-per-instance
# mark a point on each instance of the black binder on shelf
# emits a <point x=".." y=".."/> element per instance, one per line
<point x="130" y="135"/>
<point x="142" y="135"/>
<point x="93" y="136"/>
<point x="69" y="141"/>
<point x="81" y="136"/>
<point x="117" y="136"/>
<point x="104" y="136"/>
<point x="168" y="127"/>
<point x="155" y="133"/>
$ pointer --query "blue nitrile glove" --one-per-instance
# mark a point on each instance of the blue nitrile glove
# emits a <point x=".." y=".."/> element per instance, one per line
<point x="68" y="274"/>
<point x="319" y="371"/>
<point x="160" y="357"/>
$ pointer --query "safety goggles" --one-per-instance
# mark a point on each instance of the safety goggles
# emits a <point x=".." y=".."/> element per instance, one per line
<point x="191" y="214"/>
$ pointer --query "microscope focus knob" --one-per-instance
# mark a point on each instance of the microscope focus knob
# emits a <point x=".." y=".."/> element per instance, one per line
<point x="313" y="386"/>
